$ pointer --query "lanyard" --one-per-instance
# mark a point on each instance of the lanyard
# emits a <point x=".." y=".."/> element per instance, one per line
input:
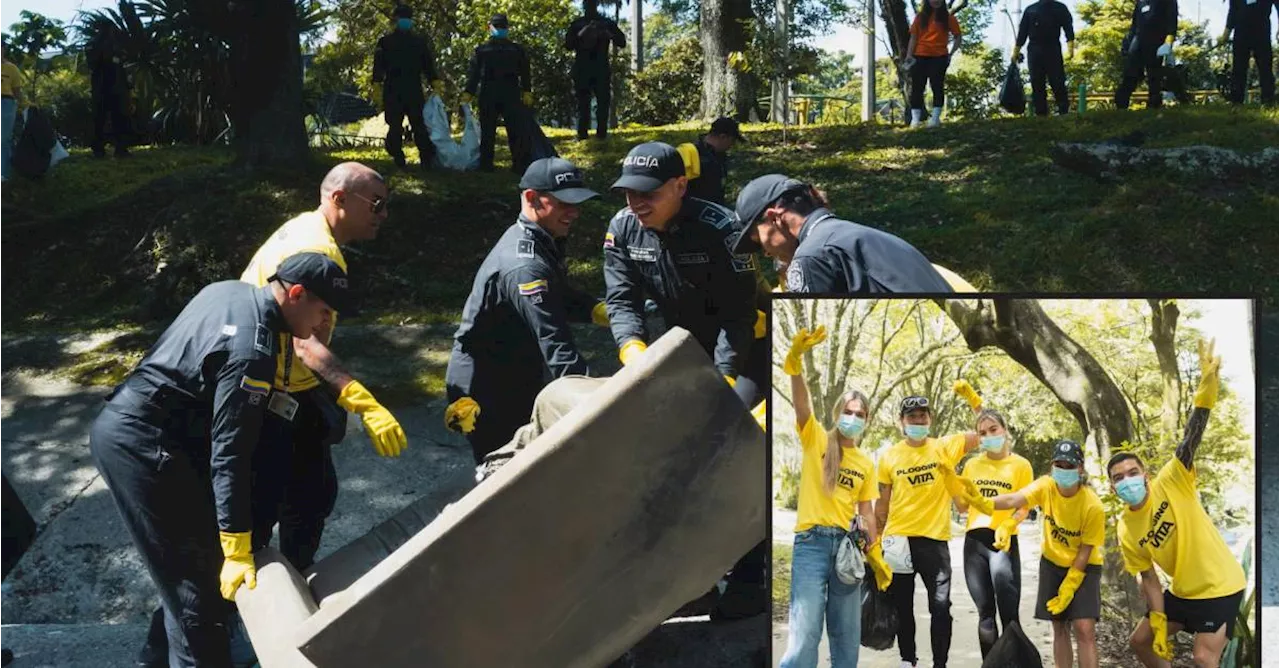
<point x="288" y="360"/>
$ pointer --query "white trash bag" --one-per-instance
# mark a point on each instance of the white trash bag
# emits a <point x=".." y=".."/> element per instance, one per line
<point x="458" y="156"/>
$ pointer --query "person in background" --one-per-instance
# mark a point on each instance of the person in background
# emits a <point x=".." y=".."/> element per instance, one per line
<point x="929" y="57"/>
<point x="707" y="160"/>
<point x="589" y="37"/>
<point x="1152" y="29"/>
<point x="499" y="77"/>
<point x="109" y="88"/>
<point x="1250" y="20"/>
<point x="1043" y="22"/>
<point x="400" y="62"/>
<point x="11" y="83"/>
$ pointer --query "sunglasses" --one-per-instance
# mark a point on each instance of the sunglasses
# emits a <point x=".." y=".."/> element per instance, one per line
<point x="911" y="403"/>
<point x="376" y="205"/>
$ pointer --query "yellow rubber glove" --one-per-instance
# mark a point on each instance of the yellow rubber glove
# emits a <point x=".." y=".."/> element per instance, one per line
<point x="884" y="574"/>
<point x="692" y="163"/>
<point x="468" y="98"/>
<point x="1207" y="392"/>
<point x="758" y="413"/>
<point x="631" y="350"/>
<point x="966" y="392"/>
<point x="1017" y="51"/>
<point x="802" y="342"/>
<point x="1004" y="533"/>
<point x="384" y="431"/>
<point x="1066" y="591"/>
<point x="1071" y="50"/>
<point x="461" y="415"/>
<point x="437" y="86"/>
<point x="237" y="563"/>
<point x="527" y="99"/>
<point x="733" y="382"/>
<point x="600" y="314"/>
<point x="1160" y="631"/>
<point x="760" y="325"/>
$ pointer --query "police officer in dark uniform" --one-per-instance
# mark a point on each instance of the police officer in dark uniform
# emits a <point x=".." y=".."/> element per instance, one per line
<point x="109" y="89"/>
<point x="515" y="326"/>
<point x="1042" y="23"/>
<point x="825" y="254"/>
<point x="1150" y="40"/>
<point x="500" y="72"/>
<point x="589" y="37"/>
<point x="176" y="441"/>
<point x="400" y="62"/>
<point x="1251" y="21"/>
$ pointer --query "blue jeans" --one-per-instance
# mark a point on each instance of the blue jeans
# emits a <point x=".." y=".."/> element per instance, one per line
<point x="817" y="591"/>
<point x="10" y="112"/>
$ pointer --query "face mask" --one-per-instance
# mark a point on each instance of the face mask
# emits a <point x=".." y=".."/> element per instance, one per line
<point x="500" y="33"/>
<point x="1132" y="490"/>
<point x="1066" y="477"/>
<point x="850" y="425"/>
<point x="404" y="24"/>
<point x="916" y="432"/>
<point x="992" y="443"/>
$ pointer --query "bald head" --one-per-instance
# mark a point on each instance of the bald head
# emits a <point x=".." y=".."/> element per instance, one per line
<point x="348" y="177"/>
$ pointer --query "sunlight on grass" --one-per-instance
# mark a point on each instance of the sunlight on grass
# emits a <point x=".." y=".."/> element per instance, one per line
<point x="781" y="582"/>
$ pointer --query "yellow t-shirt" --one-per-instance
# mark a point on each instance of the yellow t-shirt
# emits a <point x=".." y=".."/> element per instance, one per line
<point x="993" y="478"/>
<point x="10" y="78"/>
<point x="1068" y="522"/>
<point x="854" y="483"/>
<point x="919" y="504"/>
<point x="307" y="233"/>
<point x="1172" y="529"/>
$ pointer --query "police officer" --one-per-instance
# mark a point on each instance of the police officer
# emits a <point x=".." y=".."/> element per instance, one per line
<point x="712" y="154"/>
<point x="500" y="72"/>
<point x="515" y="324"/>
<point x="1251" y="21"/>
<point x="589" y="37"/>
<point x="176" y="440"/>
<point x="400" y="62"/>
<point x="676" y="251"/>
<point x="789" y="219"/>
<point x="1042" y="22"/>
<point x="1150" y="40"/>
<point x="109" y="88"/>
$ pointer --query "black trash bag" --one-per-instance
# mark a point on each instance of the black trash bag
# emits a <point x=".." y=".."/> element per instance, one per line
<point x="530" y="144"/>
<point x="1013" y="98"/>
<point x="33" y="152"/>
<point x="879" y="617"/>
<point x="1013" y="650"/>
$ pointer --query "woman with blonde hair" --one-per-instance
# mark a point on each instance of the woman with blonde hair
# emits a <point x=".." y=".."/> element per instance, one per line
<point x="836" y="483"/>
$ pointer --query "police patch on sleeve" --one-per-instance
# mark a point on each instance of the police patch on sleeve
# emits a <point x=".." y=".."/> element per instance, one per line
<point x="533" y="290"/>
<point x="795" y="279"/>
<point x="255" y="386"/>
<point x="608" y="239"/>
<point x="524" y="248"/>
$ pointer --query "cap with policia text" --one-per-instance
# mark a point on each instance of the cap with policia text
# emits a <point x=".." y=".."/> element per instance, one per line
<point x="727" y="126"/>
<point x="559" y="178"/>
<point x="755" y="197"/>
<point x="319" y="275"/>
<point x="648" y="166"/>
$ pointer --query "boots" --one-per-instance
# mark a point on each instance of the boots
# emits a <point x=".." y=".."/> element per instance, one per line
<point x="915" y="117"/>
<point x="935" y="120"/>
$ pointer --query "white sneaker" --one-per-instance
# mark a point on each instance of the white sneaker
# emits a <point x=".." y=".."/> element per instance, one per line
<point x="907" y="665"/>
<point x="915" y="123"/>
<point x="935" y="122"/>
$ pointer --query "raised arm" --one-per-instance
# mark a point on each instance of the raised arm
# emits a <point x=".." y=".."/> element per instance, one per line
<point x="793" y="366"/>
<point x="1205" y="398"/>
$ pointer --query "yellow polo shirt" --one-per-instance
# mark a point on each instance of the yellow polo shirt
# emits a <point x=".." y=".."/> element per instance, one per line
<point x="10" y="78"/>
<point x="854" y="483"/>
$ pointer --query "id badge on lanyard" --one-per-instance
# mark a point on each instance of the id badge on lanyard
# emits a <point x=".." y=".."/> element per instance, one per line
<point x="280" y="402"/>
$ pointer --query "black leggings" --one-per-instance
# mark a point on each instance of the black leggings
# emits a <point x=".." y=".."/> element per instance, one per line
<point x="932" y="561"/>
<point x="995" y="581"/>
<point x="933" y="70"/>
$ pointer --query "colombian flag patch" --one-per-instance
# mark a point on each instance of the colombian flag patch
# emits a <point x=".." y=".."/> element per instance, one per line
<point x="533" y="287"/>
<point x="254" y="386"/>
<point x="608" y="240"/>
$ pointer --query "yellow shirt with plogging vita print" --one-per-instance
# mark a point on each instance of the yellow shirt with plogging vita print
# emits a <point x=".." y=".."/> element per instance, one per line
<point x="307" y="233"/>
<point x="1068" y="522"/>
<point x="1173" y="530"/>
<point x="854" y="483"/>
<point x="994" y="477"/>
<point x="919" y="504"/>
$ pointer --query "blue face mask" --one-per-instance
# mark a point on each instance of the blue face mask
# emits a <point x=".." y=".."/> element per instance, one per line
<point x="1066" y="477"/>
<point x="404" y="24"/>
<point x="916" y="432"/>
<point x="993" y="443"/>
<point x="500" y="33"/>
<point x="850" y="426"/>
<point x="1132" y="490"/>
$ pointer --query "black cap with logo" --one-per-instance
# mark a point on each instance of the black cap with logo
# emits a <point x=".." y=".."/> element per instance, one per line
<point x="648" y="166"/>
<point x="320" y="276"/>
<point x="499" y="21"/>
<point x="727" y="126"/>
<point x="755" y="197"/>
<point x="558" y="177"/>
<point x="1069" y="452"/>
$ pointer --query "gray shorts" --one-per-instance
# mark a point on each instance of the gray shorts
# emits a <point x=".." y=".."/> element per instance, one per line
<point x="1087" y="603"/>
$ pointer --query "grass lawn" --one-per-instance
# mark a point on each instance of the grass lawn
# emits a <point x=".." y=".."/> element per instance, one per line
<point x="781" y="581"/>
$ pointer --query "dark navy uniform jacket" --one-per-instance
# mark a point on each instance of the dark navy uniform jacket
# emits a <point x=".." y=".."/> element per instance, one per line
<point x="689" y="273"/>
<point x="515" y="325"/>
<point x="837" y="256"/>
<point x="205" y="384"/>
<point x="401" y="60"/>
<point x="1043" y="22"/>
<point x="499" y="69"/>
<point x="1153" y="20"/>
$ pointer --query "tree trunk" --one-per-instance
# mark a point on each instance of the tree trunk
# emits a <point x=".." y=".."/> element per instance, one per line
<point x="778" y="103"/>
<point x="724" y="89"/>
<point x="894" y="13"/>
<point x="1027" y="334"/>
<point x="266" y="101"/>
<point x="1164" y="326"/>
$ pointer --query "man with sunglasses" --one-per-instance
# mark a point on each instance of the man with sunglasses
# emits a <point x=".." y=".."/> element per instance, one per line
<point x="789" y="221"/>
<point x="515" y="325"/>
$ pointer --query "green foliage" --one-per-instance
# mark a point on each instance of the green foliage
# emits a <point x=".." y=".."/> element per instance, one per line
<point x="669" y="89"/>
<point x="973" y="81"/>
<point x="1099" y="62"/>
<point x="34" y="34"/>
<point x="64" y="95"/>
<point x="780" y="583"/>
<point x="788" y="487"/>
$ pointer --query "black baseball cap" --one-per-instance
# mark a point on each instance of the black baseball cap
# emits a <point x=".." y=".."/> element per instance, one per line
<point x="1069" y="452"/>
<point x="319" y="275"/>
<point x="913" y="402"/>
<point x="499" y="21"/>
<point x="402" y="12"/>
<point x="560" y="178"/>
<point x="755" y="197"/>
<point x="727" y="126"/>
<point x="648" y="166"/>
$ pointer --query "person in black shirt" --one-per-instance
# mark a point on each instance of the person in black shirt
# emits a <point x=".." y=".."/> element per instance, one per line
<point x="109" y="89"/>
<point x="712" y="153"/>
<point x="400" y="62"/>
<point x="1042" y="23"/>
<point x="1251" y="22"/>
<point x="589" y="37"/>
<point x="499" y="77"/>
<point x="1152" y="29"/>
